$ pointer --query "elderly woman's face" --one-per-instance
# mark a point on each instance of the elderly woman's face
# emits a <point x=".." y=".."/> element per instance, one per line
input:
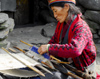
<point x="60" y="13"/>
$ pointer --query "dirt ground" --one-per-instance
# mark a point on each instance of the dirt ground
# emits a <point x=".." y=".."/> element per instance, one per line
<point x="32" y="34"/>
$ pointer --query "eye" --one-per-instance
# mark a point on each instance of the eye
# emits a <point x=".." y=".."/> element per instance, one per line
<point x="54" y="11"/>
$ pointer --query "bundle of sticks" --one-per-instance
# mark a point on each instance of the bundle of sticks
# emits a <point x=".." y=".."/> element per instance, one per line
<point x="26" y="64"/>
<point x="63" y="67"/>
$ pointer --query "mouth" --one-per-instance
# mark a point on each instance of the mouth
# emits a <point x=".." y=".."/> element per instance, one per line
<point x="57" y="19"/>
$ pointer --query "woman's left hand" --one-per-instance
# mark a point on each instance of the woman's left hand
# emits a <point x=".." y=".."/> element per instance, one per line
<point x="42" y="49"/>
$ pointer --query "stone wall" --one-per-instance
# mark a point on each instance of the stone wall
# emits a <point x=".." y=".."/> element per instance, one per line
<point x="37" y="11"/>
<point x="91" y="11"/>
<point x="6" y="26"/>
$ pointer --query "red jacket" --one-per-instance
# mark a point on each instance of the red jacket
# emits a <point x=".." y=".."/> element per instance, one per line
<point x="80" y="45"/>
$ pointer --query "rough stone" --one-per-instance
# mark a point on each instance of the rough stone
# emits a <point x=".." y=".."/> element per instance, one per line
<point x="3" y="17"/>
<point x="4" y="33"/>
<point x="93" y="25"/>
<point x="48" y="33"/>
<point x="2" y="28"/>
<point x="12" y="24"/>
<point x="6" y="24"/>
<point x="93" y="15"/>
<point x="1" y="39"/>
<point x="90" y="4"/>
<point x="92" y="30"/>
<point x="4" y="43"/>
<point x="95" y="36"/>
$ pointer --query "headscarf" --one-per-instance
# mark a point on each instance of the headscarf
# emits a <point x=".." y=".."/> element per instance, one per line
<point x="66" y="1"/>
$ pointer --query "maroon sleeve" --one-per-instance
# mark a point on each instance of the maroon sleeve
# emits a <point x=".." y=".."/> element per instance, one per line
<point x="73" y="49"/>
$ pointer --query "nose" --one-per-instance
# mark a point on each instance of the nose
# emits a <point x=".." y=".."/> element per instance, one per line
<point x="55" y="15"/>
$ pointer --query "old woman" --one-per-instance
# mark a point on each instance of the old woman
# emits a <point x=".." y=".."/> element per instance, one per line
<point x="72" y="40"/>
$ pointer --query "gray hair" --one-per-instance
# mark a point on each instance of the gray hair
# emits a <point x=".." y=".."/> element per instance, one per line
<point x="73" y="10"/>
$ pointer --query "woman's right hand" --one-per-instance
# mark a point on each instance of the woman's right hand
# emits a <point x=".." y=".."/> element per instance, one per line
<point x="42" y="49"/>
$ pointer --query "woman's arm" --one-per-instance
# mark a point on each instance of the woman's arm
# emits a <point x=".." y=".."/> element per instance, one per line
<point x="73" y="49"/>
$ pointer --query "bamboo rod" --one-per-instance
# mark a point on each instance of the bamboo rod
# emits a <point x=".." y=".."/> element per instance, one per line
<point x="54" y="58"/>
<point x="46" y="64"/>
<point x="73" y="75"/>
<point x="19" y="49"/>
<point x="59" y="61"/>
<point x="26" y="43"/>
<point x="12" y="50"/>
<point x="33" y="68"/>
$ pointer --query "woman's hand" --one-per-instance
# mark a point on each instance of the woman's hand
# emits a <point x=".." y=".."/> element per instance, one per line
<point x="42" y="49"/>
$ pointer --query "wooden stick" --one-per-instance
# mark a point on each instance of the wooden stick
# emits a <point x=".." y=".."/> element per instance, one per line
<point x="46" y="64"/>
<point x="19" y="49"/>
<point x="33" y="58"/>
<point x="73" y="75"/>
<point x="54" y="58"/>
<point x="78" y="72"/>
<point x="59" y="61"/>
<point x="33" y="68"/>
<point x="12" y="50"/>
<point x="41" y="61"/>
<point x="26" y="43"/>
<point x="65" y="71"/>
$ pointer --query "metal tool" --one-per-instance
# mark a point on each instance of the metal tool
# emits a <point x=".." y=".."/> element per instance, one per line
<point x="73" y="69"/>
<point x="65" y="71"/>
<point x="31" y="67"/>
